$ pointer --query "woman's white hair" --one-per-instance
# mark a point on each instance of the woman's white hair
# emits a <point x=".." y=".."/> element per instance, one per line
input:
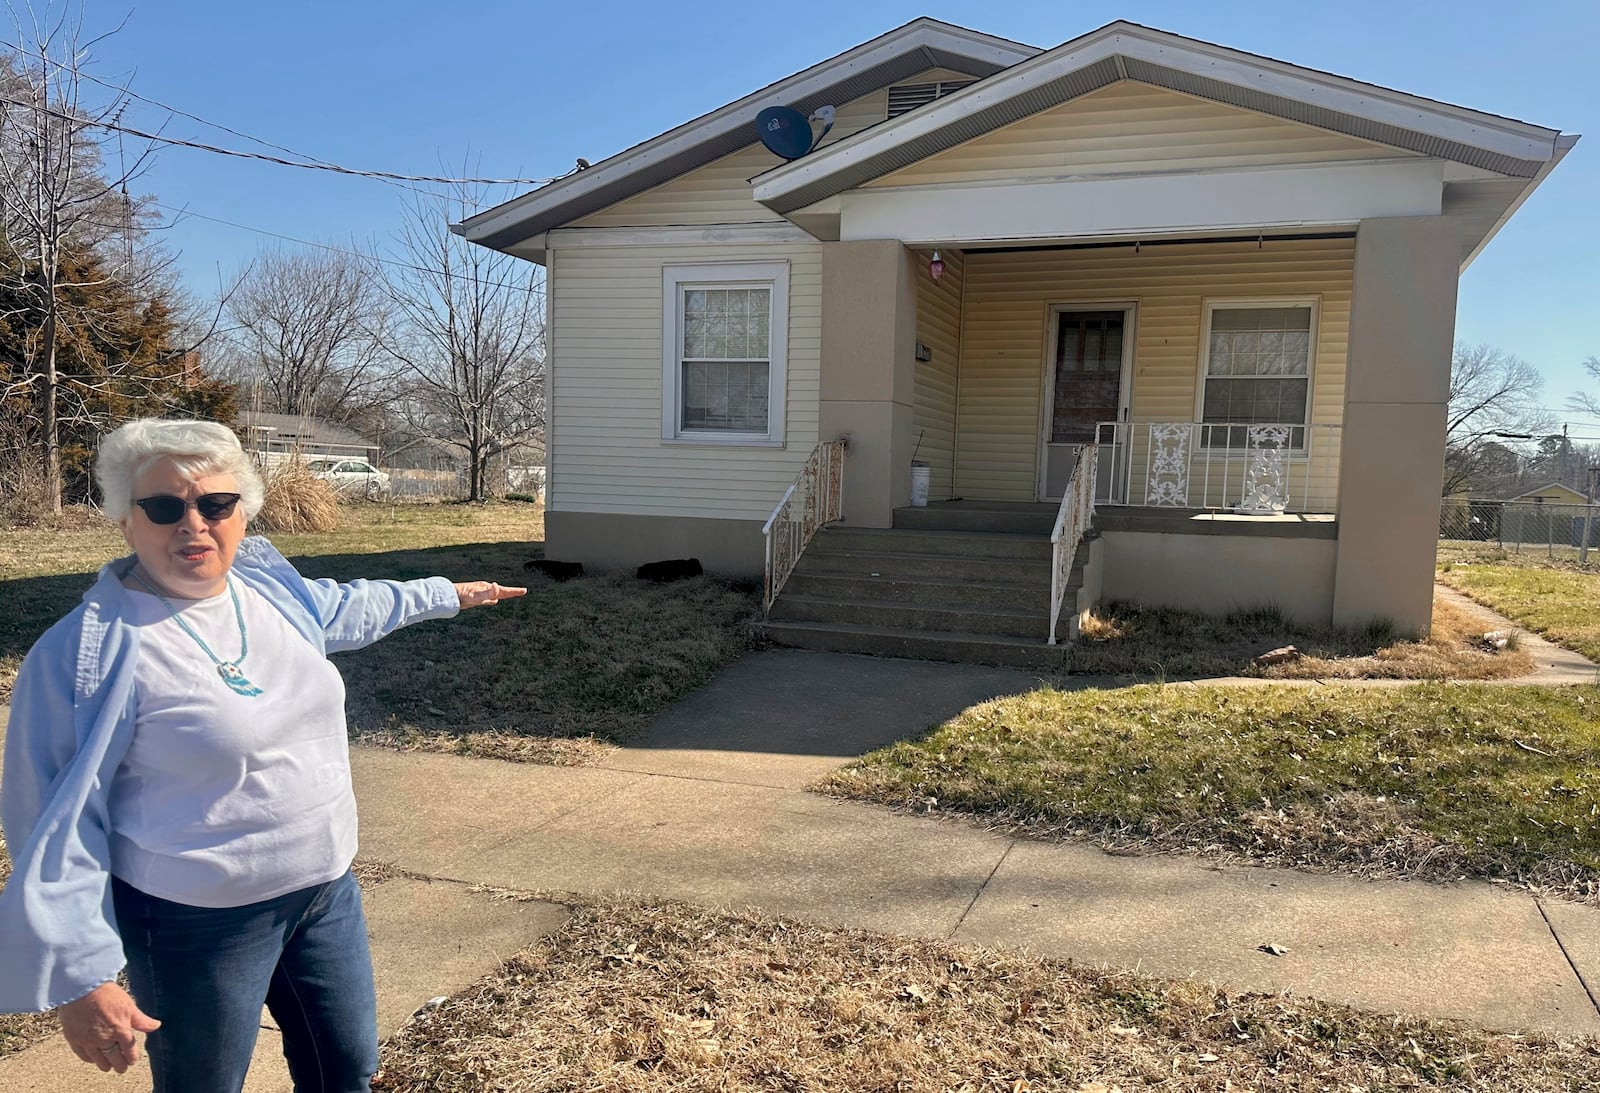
<point x="196" y="448"/>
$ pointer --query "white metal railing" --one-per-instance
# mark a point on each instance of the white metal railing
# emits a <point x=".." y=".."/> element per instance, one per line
<point x="1255" y="468"/>
<point x="1072" y="520"/>
<point x="811" y="502"/>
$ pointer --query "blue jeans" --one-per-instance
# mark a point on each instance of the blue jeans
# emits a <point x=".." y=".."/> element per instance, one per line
<point x="205" y="972"/>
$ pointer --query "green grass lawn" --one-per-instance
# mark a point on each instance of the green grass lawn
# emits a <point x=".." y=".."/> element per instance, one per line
<point x="1426" y="780"/>
<point x="1559" y="599"/>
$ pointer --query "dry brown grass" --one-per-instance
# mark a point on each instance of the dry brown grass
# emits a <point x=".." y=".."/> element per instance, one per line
<point x="1126" y="640"/>
<point x="296" y="501"/>
<point x="640" y="998"/>
<point x="513" y="747"/>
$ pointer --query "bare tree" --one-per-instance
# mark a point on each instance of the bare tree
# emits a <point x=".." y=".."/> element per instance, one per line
<point x="307" y="324"/>
<point x="1585" y="401"/>
<point x="56" y="196"/>
<point x="1492" y="394"/>
<point x="468" y="331"/>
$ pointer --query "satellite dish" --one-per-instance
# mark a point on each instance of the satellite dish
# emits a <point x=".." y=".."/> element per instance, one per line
<point x="789" y="134"/>
<point x="785" y="132"/>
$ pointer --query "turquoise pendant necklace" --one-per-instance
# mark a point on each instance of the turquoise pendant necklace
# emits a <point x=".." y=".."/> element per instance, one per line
<point x="229" y="670"/>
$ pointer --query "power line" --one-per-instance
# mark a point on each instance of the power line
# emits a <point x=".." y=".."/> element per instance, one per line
<point x="538" y="289"/>
<point x="132" y="94"/>
<point x="180" y="112"/>
<point x="278" y="160"/>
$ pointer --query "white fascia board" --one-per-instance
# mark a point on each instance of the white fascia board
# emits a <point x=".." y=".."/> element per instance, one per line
<point x="1564" y="145"/>
<point x="1177" y="203"/>
<point x="921" y="34"/>
<point x="1517" y="139"/>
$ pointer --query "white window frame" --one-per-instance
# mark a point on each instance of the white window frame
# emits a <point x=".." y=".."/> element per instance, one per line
<point x="674" y="279"/>
<point x="1212" y="305"/>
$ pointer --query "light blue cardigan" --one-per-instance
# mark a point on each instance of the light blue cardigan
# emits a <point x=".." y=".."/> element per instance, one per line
<point x="71" y="723"/>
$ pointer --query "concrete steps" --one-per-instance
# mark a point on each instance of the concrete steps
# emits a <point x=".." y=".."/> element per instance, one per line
<point x="958" y="582"/>
<point x="882" y="642"/>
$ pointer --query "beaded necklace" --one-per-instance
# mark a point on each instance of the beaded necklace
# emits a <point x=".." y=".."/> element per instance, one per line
<point x="229" y="670"/>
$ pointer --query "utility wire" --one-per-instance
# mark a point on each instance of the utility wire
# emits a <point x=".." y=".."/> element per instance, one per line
<point x="538" y="289"/>
<point x="279" y="160"/>
<point x="179" y="112"/>
<point x="132" y="94"/>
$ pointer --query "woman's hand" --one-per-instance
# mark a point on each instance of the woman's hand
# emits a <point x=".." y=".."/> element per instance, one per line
<point x="100" y="1027"/>
<point x="481" y="593"/>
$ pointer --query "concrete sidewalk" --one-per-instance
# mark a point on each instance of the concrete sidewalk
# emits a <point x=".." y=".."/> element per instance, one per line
<point x="710" y="808"/>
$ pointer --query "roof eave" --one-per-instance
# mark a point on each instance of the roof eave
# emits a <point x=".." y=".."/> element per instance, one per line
<point x="1127" y="51"/>
<point x="920" y="43"/>
<point x="1563" y="145"/>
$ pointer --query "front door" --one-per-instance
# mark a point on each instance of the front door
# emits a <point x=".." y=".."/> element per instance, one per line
<point x="1091" y="349"/>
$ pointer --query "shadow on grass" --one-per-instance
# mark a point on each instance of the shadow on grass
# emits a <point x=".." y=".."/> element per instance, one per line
<point x="591" y="658"/>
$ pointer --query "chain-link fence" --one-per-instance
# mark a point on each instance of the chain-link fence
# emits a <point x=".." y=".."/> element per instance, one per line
<point x="1550" y="527"/>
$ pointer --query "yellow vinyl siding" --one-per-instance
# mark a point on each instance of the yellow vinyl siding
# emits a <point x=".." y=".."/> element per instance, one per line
<point x="938" y="328"/>
<point x="1005" y="340"/>
<point x="607" y="356"/>
<point x="719" y="192"/>
<point x="1128" y="128"/>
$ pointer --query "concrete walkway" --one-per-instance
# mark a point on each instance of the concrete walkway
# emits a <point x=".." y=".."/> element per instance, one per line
<point x="710" y="807"/>
<point x="1553" y="665"/>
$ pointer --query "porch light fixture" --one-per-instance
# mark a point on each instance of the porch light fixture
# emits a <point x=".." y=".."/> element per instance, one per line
<point x="936" y="267"/>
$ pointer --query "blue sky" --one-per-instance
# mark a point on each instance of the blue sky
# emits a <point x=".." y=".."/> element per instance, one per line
<point x="522" y="89"/>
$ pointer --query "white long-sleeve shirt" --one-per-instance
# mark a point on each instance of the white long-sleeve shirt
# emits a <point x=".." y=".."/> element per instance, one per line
<point x="226" y="799"/>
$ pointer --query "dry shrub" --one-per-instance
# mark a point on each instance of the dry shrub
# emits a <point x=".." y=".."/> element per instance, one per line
<point x="297" y="500"/>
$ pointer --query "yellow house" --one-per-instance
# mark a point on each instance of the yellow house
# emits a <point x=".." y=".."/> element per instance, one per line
<point x="1553" y="494"/>
<point x="1146" y="317"/>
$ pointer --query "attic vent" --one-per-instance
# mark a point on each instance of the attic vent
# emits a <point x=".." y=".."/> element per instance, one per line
<point x="906" y="97"/>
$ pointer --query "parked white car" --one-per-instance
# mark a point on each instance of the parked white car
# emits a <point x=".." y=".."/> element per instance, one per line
<point x="355" y="477"/>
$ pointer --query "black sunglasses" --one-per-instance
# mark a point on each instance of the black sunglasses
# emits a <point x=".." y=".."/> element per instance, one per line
<point x="164" y="508"/>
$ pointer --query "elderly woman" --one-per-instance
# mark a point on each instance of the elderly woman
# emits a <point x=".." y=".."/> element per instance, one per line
<point x="177" y="793"/>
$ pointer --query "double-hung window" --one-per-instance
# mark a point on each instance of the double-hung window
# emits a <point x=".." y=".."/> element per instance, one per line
<point x="1257" y="369"/>
<point x="725" y="353"/>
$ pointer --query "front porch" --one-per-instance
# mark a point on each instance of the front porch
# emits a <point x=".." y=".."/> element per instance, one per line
<point x="1289" y="408"/>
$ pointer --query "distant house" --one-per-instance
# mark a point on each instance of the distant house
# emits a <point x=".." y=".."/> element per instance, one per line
<point x="1553" y="493"/>
<point x="275" y="436"/>
<point x="1225" y="281"/>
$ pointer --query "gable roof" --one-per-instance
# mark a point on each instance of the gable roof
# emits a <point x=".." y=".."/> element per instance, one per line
<point x="1581" y="499"/>
<point x="1123" y="50"/>
<point x="1495" y="162"/>
<point x="915" y="47"/>
<point x="289" y="429"/>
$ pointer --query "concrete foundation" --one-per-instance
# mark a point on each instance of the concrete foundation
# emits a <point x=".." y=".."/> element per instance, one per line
<point x="612" y="541"/>
<point x="1218" y="573"/>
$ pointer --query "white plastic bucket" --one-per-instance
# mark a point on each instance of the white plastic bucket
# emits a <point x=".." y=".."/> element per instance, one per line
<point x="919" y="484"/>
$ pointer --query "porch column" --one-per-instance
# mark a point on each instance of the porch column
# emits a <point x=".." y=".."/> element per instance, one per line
<point x="1392" y="457"/>
<point x="869" y="314"/>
